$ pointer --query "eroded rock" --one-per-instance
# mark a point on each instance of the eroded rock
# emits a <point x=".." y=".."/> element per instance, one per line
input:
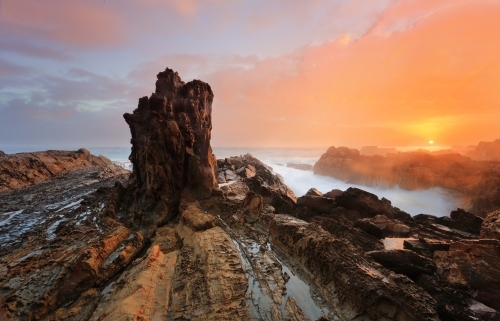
<point x="171" y="151"/>
<point x="491" y="226"/>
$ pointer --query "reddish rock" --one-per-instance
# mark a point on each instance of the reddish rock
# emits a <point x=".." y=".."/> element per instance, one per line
<point x="380" y="226"/>
<point x="314" y="192"/>
<point x="474" y="263"/>
<point x="333" y="193"/>
<point x="171" y="151"/>
<point x="318" y="204"/>
<point x="404" y="262"/>
<point x="27" y="169"/>
<point x="479" y="181"/>
<point x="486" y="151"/>
<point x="369" y="205"/>
<point x="253" y="205"/>
<point x="491" y="226"/>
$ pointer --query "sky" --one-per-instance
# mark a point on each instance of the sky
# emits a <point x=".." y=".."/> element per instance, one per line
<point x="285" y="73"/>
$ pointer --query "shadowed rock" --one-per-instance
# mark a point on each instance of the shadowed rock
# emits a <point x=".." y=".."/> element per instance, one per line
<point x="171" y="152"/>
<point x="491" y="226"/>
<point x="404" y="262"/>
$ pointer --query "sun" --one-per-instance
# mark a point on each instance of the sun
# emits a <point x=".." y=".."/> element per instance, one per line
<point x="431" y="142"/>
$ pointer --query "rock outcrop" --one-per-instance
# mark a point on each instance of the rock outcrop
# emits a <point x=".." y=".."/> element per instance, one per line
<point x="171" y="152"/>
<point x="491" y="226"/>
<point x="477" y="182"/>
<point x="475" y="263"/>
<point x="27" y="169"/>
<point x="486" y="151"/>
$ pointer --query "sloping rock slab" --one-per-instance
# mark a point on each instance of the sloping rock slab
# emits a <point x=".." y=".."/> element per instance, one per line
<point x="362" y="288"/>
<point x="404" y="262"/>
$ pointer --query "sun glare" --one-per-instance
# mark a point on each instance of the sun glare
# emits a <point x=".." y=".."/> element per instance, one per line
<point x="431" y="142"/>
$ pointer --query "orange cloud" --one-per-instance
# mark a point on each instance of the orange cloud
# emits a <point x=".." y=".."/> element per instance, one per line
<point x="81" y="23"/>
<point x="426" y="70"/>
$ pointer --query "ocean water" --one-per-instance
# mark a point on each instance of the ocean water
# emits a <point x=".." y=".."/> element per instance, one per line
<point x="435" y="201"/>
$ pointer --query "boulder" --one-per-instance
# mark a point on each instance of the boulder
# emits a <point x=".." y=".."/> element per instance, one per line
<point x="247" y="171"/>
<point x="369" y="205"/>
<point x="313" y="192"/>
<point x="318" y="204"/>
<point x="253" y="205"/>
<point x="230" y="175"/>
<point x="2" y="153"/>
<point x="466" y="221"/>
<point x="235" y="190"/>
<point x="491" y="226"/>
<point x="221" y="178"/>
<point x="194" y="217"/>
<point x="333" y="193"/>
<point x="404" y="262"/>
<point x="380" y="226"/>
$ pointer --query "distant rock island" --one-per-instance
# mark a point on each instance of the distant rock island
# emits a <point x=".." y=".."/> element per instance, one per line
<point x="187" y="236"/>
<point x="478" y="182"/>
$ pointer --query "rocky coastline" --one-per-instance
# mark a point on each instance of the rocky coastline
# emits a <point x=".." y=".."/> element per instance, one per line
<point x="476" y="183"/>
<point x="187" y="236"/>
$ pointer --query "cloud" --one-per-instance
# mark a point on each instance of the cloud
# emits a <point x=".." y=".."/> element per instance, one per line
<point x="84" y="24"/>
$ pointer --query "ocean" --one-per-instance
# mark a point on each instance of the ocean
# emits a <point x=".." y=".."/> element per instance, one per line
<point x="435" y="201"/>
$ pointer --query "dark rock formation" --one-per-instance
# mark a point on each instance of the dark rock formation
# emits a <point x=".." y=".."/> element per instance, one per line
<point x="475" y="263"/>
<point x="491" y="226"/>
<point x="2" y="153"/>
<point x="304" y="167"/>
<point x="26" y="169"/>
<point x="404" y="262"/>
<point x="425" y="246"/>
<point x="380" y="226"/>
<point x="455" y="301"/>
<point x="171" y="151"/>
<point x="333" y="193"/>
<point x="369" y="205"/>
<point x="318" y="204"/>
<point x="466" y="221"/>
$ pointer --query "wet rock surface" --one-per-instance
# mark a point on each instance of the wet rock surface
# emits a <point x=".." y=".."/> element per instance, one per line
<point x="189" y="237"/>
<point x="404" y="262"/>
